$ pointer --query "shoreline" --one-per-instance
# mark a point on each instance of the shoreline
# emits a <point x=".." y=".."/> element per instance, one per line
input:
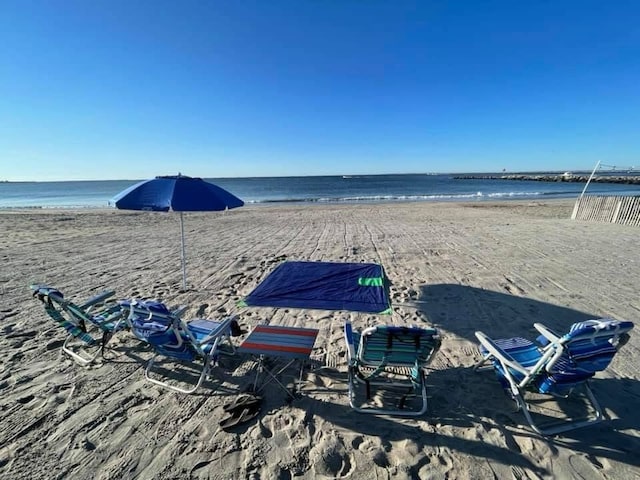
<point x="471" y="200"/>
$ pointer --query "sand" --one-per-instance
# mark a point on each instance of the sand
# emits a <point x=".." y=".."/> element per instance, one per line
<point x="495" y="267"/>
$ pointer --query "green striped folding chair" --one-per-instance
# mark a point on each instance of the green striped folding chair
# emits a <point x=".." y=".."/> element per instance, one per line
<point x="389" y="361"/>
<point x="102" y="315"/>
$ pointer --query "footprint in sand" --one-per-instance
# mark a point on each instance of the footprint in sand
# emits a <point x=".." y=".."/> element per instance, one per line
<point x="26" y="335"/>
<point x="8" y="328"/>
<point x="24" y="400"/>
<point x="374" y="450"/>
<point x="584" y="467"/>
<point x="264" y="431"/>
<point x="381" y="459"/>
<point x="198" y="466"/>
<point x="8" y="313"/>
<point x="330" y="458"/>
<point x="16" y="357"/>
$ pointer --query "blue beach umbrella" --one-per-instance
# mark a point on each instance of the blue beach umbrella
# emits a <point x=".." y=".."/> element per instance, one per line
<point x="177" y="193"/>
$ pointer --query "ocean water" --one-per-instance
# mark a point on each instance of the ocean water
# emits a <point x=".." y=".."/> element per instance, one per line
<point x="320" y="189"/>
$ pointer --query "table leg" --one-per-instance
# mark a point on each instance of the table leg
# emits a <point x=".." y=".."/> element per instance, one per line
<point x="273" y="376"/>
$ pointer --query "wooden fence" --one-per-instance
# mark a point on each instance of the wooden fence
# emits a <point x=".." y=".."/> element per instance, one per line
<point x="623" y="210"/>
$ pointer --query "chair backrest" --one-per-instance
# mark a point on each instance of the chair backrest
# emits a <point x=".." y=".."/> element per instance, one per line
<point x="108" y="310"/>
<point x="592" y="344"/>
<point x="397" y="346"/>
<point x="54" y="303"/>
<point x="43" y="292"/>
<point x="152" y="322"/>
<point x="111" y="312"/>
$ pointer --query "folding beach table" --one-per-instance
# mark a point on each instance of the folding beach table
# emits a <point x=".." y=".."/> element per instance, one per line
<point x="292" y="344"/>
<point x="357" y="287"/>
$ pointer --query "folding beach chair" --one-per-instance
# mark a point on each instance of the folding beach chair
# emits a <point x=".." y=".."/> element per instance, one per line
<point x="560" y="365"/>
<point x="100" y="312"/>
<point x="193" y="341"/>
<point x="391" y="358"/>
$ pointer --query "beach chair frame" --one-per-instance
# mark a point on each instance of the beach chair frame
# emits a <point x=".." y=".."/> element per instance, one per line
<point x="98" y="311"/>
<point x="556" y="352"/>
<point x="404" y="348"/>
<point x="187" y="346"/>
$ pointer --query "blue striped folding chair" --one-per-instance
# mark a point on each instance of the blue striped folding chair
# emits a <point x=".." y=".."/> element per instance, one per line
<point x="197" y="341"/>
<point x="392" y="358"/>
<point x="98" y="313"/>
<point x="558" y="365"/>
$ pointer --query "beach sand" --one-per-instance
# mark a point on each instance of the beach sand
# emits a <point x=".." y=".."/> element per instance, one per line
<point x="495" y="267"/>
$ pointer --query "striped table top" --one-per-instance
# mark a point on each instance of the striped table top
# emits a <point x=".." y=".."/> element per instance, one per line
<point x="291" y="342"/>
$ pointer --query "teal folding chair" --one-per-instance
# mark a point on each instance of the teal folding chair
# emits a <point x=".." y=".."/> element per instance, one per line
<point x="198" y="341"/>
<point x="390" y="358"/>
<point x="559" y="365"/>
<point x="100" y="313"/>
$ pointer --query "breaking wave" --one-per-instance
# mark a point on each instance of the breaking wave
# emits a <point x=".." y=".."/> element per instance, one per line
<point x="404" y="198"/>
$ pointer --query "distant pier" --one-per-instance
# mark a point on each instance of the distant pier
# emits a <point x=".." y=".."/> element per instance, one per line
<point x="563" y="177"/>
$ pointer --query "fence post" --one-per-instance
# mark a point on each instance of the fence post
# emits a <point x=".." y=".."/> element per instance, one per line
<point x="617" y="211"/>
<point x="575" y="208"/>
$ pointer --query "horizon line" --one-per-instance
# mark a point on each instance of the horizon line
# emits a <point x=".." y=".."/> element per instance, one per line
<point x="505" y="172"/>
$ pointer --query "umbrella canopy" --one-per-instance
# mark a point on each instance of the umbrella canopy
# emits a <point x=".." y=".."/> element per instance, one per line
<point x="178" y="193"/>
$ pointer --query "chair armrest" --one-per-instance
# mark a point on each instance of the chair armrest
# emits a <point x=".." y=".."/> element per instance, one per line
<point x="111" y="317"/>
<point x="101" y="297"/>
<point x="502" y="356"/>
<point x="348" y="336"/>
<point x="547" y="333"/>
<point x="223" y="328"/>
<point x="179" y="311"/>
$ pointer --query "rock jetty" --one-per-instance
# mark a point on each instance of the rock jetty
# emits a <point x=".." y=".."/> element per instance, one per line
<point x="564" y="177"/>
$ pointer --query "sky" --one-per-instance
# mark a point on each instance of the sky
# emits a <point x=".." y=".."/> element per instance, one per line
<point x="124" y="89"/>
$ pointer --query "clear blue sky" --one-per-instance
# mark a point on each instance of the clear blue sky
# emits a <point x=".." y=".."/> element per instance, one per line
<point x="131" y="89"/>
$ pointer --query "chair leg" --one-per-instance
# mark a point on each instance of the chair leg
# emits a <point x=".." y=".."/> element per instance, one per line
<point x="425" y="402"/>
<point x="231" y="345"/>
<point x="352" y="388"/>
<point x="82" y="360"/>
<point x="356" y="379"/>
<point x="203" y="374"/>
<point x="564" y="426"/>
<point x="273" y="375"/>
<point x="106" y="336"/>
<point x="482" y="364"/>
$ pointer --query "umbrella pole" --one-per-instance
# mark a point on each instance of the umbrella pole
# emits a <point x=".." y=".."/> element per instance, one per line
<point x="184" y="263"/>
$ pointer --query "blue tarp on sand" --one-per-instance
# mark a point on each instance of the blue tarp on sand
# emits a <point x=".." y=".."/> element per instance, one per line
<point x="358" y="287"/>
